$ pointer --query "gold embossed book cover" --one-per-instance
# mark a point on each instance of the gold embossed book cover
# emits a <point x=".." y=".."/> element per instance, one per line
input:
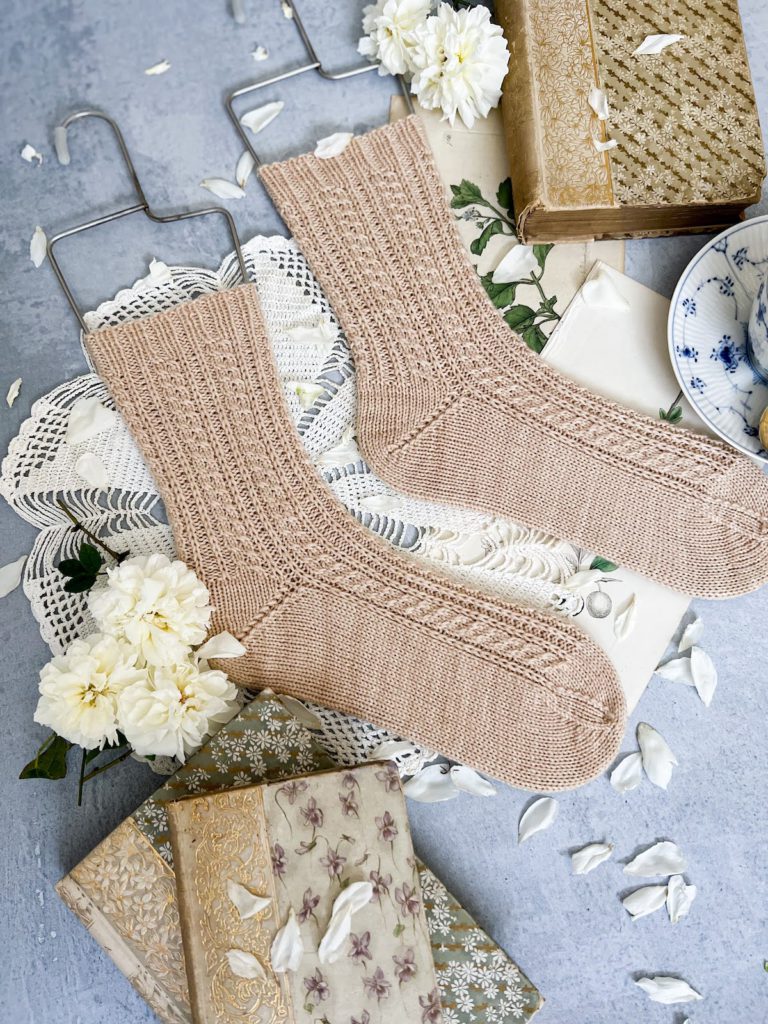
<point x="628" y="118"/>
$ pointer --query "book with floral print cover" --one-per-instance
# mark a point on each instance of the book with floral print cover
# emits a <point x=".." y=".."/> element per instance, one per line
<point x="124" y="892"/>
<point x="303" y="849"/>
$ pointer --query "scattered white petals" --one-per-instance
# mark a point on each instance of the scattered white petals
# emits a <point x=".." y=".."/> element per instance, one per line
<point x="13" y="392"/>
<point x="37" y="246"/>
<point x="704" y="674"/>
<point x="353" y="898"/>
<point x="332" y="145"/>
<point x="678" y="670"/>
<point x="663" y="858"/>
<point x="10" y="575"/>
<point x="539" y="816"/>
<point x="159" y="272"/>
<point x="658" y="759"/>
<point x="307" y="391"/>
<point x="588" y="857"/>
<point x="87" y="418"/>
<point x="377" y="504"/>
<point x="468" y="780"/>
<point x="245" y="902"/>
<point x="645" y="901"/>
<point x="390" y="749"/>
<point x="599" y="102"/>
<point x="679" y="898"/>
<point x="245" y="965"/>
<point x="585" y="578"/>
<point x="518" y="263"/>
<point x="61" y="144"/>
<point x="299" y="711"/>
<point x="655" y="44"/>
<point x="287" y="9"/>
<point x="287" y="948"/>
<point x="628" y="773"/>
<point x="244" y="168"/>
<point x="321" y="334"/>
<point x="343" y="453"/>
<point x="29" y="153"/>
<point x="223" y="645"/>
<point x="624" y="620"/>
<point x="668" y="990"/>
<point x="260" y="53"/>
<point x="257" y="119"/>
<point x="603" y="146"/>
<point x="238" y="11"/>
<point x="601" y="292"/>
<point x="431" y="785"/>
<point x="158" y="69"/>
<point x="692" y="635"/>
<point x="222" y="188"/>
<point x="92" y="470"/>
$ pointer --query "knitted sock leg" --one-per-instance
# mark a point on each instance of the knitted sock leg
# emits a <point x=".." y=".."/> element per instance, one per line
<point x="452" y="406"/>
<point x="327" y="611"/>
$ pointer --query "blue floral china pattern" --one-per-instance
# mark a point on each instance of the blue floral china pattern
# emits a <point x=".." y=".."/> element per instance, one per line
<point x="707" y="331"/>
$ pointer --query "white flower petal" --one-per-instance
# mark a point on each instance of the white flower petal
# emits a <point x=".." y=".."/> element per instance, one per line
<point x="680" y="897"/>
<point x="518" y="263"/>
<point x="656" y="43"/>
<point x="378" y="504"/>
<point x="245" y="166"/>
<point x="353" y="898"/>
<point x="658" y="759"/>
<point x="589" y="857"/>
<point x="667" y="990"/>
<point x="678" y="670"/>
<point x="601" y="292"/>
<point x="692" y="635"/>
<point x="37" y="246"/>
<point x="704" y="674"/>
<point x="256" y="120"/>
<point x="628" y="773"/>
<point x="645" y="901"/>
<point x="663" y="858"/>
<point x="585" y="578"/>
<point x="223" y="645"/>
<point x="287" y="9"/>
<point x="13" y="392"/>
<point x="61" y="144"/>
<point x="87" y="418"/>
<point x="29" y="153"/>
<point x="307" y="391"/>
<point x="321" y="335"/>
<point x="624" y="620"/>
<point x="343" y="453"/>
<point x="332" y="145"/>
<point x="287" y="948"/>
<point x="222" y="188"/>
<point x="390" y="749"/>
<point x="158" y="69"/>
<point x="92" y="470"/>
<point x="10" y="575"/>
<point x="159" y="272"/>
<point x="260" y="53"/>
<point x="468" y="780"/>
<point x="599" y="102"/>
<point x="603" y="147"/>
<point x="245" y="965"/>
<point x="431" y="785"/>
<point x="246" y="903"/>
<point x="539" y="816"/>
<point x="238" y="11"/>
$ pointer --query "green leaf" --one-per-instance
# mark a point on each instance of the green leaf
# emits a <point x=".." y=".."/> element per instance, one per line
<point x="398" y="929"/>
<point x="603" y="564"/>
<point x="673" y="415"/>
<point x="465" y="194"/>
<point x="547" y="307"/>
<point x="79" y="584"/>
<point x="519" y="316"/>
<point x="534" y="337"/>
<point x="50" y="762"/>
<point x="494" y="228"/>
<point x="70" y="567"/>
<point x="540" y="252"/>
<point x="90" y="559"/>
<point x="501" y="295"/>
<point x="504" y="194"/>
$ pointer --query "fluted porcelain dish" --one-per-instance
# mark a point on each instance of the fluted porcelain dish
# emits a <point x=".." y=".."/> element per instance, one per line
<point x="707" y="332"/>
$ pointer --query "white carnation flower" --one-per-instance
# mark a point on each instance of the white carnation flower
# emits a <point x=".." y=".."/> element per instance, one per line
<point x="175" y="707"/>
<point x="390" y="27"/>
<point x="157" y="606"/>
<point x="459" y="62"/>
<point x="79" y="690"/>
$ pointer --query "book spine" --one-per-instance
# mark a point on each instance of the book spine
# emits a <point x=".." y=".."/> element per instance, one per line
<point x="519" y="108"/>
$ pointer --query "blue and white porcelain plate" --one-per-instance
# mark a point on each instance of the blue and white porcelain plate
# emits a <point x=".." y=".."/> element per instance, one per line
<point x="708" y="334"/>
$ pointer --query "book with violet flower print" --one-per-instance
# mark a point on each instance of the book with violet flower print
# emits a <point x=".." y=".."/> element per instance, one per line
<point x="124" y="892"/>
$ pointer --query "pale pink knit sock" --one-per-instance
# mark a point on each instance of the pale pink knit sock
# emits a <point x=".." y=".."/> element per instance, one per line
<point x="454" y="407"/>
<point x="327" y="611"/>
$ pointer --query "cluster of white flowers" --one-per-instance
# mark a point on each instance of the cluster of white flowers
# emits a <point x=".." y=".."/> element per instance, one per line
<point x="456" y="59"/>
<point x="140" y="675"/>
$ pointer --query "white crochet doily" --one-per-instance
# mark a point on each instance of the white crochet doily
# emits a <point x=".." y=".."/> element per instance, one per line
<point x="39" y="469"/>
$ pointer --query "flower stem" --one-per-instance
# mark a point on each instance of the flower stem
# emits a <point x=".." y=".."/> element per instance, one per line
<point x="107" y="766"/>
<point x="81" y="780"/>
<point x="117" y="555"/>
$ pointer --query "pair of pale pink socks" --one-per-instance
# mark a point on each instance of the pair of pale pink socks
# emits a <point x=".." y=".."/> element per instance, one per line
<point x="452" y="407"/>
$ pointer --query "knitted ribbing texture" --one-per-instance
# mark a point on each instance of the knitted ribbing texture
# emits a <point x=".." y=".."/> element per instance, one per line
<point x="327" y="611"/>
<point x="453" y="407"/>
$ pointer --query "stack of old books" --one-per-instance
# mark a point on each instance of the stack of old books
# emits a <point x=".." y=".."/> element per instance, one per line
<point x="263" y="884"/>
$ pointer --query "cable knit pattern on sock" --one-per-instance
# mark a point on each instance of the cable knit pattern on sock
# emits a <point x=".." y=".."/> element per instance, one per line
<point x="453" y="407"/>
<point x="329" y="612"/>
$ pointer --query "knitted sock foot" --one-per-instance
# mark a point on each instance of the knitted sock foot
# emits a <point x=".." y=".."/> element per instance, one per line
<point x="327" y="611"/>
<point x="453" y="407"/>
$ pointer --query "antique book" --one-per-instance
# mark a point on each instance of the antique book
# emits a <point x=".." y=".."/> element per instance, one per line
<point x="124" y="892"/>
<point x="303" y="847"/>
<point x="678" y="146"/>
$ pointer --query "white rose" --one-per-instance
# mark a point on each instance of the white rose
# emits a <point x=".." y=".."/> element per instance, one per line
<point x="175" y="707"/>
<point x="79" y="690"/>
<point x="158" y="606"/>
<point x="389" y="27"/>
